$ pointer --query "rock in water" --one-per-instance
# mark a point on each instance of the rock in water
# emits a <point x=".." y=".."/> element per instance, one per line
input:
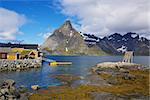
<point x="35" y="87"/>
<point x="9" y="82"/>
<point x="67" y="41"/>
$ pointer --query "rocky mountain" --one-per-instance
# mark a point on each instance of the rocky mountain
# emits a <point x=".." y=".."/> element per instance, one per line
<point x="117" y="44"/>
<point x="67" y="41"/>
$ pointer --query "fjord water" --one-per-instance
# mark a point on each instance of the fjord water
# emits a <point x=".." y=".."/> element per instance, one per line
<point x="80" y="66"/>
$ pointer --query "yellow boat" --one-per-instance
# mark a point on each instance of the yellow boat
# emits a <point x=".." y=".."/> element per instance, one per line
<point x="60" y="63"/>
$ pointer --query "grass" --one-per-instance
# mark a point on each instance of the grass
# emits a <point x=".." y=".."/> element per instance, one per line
<point x="67" y="78"/>
<point x="139" y="87"/>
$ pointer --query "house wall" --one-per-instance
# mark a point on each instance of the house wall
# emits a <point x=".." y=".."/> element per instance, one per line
<point x="36" y="54"/>
<point x="13" y="54"/>
<point x="12" y="57"/>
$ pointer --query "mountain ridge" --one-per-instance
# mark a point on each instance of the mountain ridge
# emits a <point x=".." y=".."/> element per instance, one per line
<point x="68" y="41"/>
<point x="117" y="44"/>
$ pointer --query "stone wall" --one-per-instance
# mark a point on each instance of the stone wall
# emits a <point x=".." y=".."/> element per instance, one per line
<point x="14" y="65"/>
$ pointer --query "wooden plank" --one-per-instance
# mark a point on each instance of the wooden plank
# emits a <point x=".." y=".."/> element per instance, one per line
<point x="64" y="63"/>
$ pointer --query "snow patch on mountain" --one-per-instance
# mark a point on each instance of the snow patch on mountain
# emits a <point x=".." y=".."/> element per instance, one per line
<point x="118" y="40"/>
<point x="122" y="49"/>
<point x="109" y="38"/>
<point x="134" y="35"/>
<point x="124" y="39"/>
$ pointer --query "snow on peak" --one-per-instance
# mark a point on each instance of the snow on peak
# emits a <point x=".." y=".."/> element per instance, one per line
<point x="134" y="35"/>
<point x="124" y="39"/>
<point x="122" y="49"/>
<point x="142" y="39"/>
<point x="71" y="33"/>
<point x="110" y="37"/>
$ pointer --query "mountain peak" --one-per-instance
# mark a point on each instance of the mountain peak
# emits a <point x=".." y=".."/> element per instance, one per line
<point x="67" y="25"/>
<point x="67" y="41"/>
<point x="68" y="22"/>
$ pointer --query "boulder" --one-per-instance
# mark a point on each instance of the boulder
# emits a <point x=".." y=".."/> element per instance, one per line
<point x="8" y="90"/>
<point x="35" y="87"/>
<point x="4" y="91"/>
<point x="123" y="70"/>
<point x="128" y="77"/>
<point x="18" y="66"/>
<point x="118" y="65"/>
<point x="11" y="97"/>
<point x="9" y="82"/>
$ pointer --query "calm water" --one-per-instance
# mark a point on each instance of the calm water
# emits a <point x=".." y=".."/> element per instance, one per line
<point x="80" y="66"/>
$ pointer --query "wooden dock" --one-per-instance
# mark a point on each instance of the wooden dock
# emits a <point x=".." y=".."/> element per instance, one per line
<point x="64" y="63"/>
<point x="60" y="63"/>
<point x="55" y="63"/>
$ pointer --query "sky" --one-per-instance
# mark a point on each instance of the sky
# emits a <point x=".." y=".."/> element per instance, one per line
<point x="32" y="21"/>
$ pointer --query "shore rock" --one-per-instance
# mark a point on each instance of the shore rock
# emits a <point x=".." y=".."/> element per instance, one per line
<point x="118" y="65"/>
<point x="8" y="90"/>
<point x="95" y="80"/>
<point x="116" y="68"/>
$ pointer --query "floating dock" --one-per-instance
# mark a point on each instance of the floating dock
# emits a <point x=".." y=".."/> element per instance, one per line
<point x="60" y="63"/>
<point x="55" y="63"/>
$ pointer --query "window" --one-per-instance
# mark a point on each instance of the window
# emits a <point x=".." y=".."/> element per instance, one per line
<point x="4" y="56"/>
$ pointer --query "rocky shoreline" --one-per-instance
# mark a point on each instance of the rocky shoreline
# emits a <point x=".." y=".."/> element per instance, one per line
<point x="107" y="81"/>
<point x="119" y="65"/>
<point x="8" y="91"/>
<point x="17" y="65"/>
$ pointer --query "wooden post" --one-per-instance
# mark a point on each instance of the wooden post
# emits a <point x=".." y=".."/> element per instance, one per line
<point x="128" y="57"/>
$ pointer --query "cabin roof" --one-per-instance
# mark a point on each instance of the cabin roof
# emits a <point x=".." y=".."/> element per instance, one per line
<point x="5" y="50"/>
<point x="25" y="52"/>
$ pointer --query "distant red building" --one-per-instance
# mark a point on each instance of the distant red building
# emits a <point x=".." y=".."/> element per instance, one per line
<point x="4" y="52"/>
<point x="3" y="55"/>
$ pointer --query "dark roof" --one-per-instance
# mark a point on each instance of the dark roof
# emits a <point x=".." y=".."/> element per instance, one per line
<point x="25" y="46"/>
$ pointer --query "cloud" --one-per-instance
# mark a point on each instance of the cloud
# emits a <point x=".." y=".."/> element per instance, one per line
<point x="47" y="32"/>
<point x="104" y="17"/>
<point x="45" y="35"/>
<point x="10" y="23"/>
